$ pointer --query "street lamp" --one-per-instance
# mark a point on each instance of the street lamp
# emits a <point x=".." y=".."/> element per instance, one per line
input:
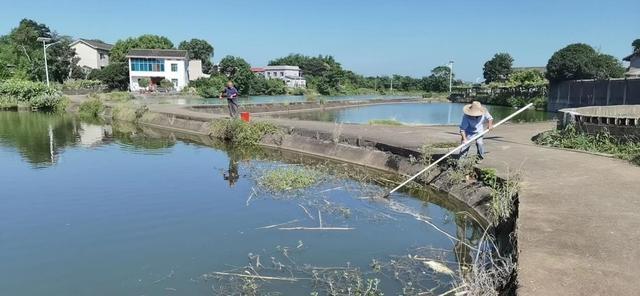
<point x="450" y="75"/>
<point x="44" y="41"/>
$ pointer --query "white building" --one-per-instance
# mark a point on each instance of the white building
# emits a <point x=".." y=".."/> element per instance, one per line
<point x="195" y="70"/>
<point x="156" y="65"/>
<point x="92" y="54"/>
<point x="634" y="65"/>
<point x="289" y="74"/>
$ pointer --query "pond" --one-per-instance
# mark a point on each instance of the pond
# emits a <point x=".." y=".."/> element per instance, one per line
<point x="278" y="99"/>
<point x="97" y="209"/>
<point x="413" y="114"/>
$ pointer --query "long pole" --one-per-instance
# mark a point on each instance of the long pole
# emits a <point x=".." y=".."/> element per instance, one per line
<point x="46" y="67"/>
<point x="450" y="76"/>
<point x="457" y="148"/>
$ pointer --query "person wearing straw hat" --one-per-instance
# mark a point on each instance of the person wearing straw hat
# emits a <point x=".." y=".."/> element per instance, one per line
<point x="473" y="122"/>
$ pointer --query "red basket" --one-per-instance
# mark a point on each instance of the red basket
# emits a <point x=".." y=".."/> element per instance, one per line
<point x="245" y="116"/>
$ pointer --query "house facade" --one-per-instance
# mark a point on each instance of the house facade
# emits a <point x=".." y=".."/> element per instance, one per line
<point x="156" y="65"/>
<point x="92" y="54"/>
<point x="291" y="75"/>
<point x="634" y="65"/>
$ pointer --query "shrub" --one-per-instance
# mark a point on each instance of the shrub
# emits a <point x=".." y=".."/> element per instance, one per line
<point x="36" y="95"/>
<point x="91" y="108"/>
<point x="82" y="84"/>
<point x="166" y="84"/>
<point x="241" y="133"/>
<point x="128" y="112"/>
<point x="144" y="82"/>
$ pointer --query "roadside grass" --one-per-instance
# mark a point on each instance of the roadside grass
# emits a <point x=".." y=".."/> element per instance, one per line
<point x="503" y="193"/>
<point x="289" y="178"/>
<point x="241" y="133"/>
<point x="571" y="138"/>
<point x="385" y="122"/>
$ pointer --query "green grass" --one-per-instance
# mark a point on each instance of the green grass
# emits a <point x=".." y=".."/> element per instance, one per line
<point x="571" y="138"/>
<point x="289" y="178"/>
<point x="241" y="133"/>
<point x="385" y="122"/>
<point x="91" y="108"/>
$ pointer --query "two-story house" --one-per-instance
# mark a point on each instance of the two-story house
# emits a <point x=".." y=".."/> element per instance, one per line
<point x="634" y="65"/>
<point x="291" y="75"/>
<point x="156" y="65"/>
<point x="92" y="54"/>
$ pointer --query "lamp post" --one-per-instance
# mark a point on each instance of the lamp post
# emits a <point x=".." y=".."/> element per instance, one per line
<point x="450" y="75"/>
<point x="44" y="41"/>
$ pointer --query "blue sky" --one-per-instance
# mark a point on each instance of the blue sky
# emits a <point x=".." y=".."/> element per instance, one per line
<point x="370" y="37"/>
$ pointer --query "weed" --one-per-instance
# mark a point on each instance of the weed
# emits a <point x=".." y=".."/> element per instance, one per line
<point x="91" y="108"/>
<point x="289" y="178"/>
<point x="385" y="122"/>
<point x="241" y="133"/>
<point x="128" y="112"/>
<point x="426" y="154"/>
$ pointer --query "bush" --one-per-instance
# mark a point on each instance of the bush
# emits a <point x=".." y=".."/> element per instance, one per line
<point x="144" y="82"/>
<point x="209" y="87"/>
<point x="37" y="95"/>
<point x="241" y="133"/>
<point x="166" y="84"/>
<point x="82" y="84"/>
<point x="91" y="108"/>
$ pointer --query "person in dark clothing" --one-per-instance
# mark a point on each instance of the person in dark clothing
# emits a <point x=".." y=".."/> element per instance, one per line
<point x="231" y="93"/>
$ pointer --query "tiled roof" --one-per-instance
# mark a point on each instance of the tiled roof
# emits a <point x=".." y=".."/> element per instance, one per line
<point x="628" y="58"/>
<point x="158" y="53"/>
<point x="96" y="44"/>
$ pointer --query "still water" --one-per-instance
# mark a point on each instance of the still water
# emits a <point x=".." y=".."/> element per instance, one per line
<point x="278" y="99"/>
<point x="414" y="113"/>
<point x="96" y="209"/>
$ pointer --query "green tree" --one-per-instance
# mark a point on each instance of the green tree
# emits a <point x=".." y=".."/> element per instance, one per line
<point x="498" y="68"/>
<point x="438" y="81"/>
<point x="581" y="61"/>
<point x="238" y="70"/>
<point x="636" y="45"/>
<point x="122" y="47"/>
<point x="114" y="76"/>
<point x="323" y="73"/>
<point x="201" y="50"/>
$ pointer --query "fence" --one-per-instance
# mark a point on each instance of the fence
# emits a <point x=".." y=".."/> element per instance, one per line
<point x="580" y="93"/>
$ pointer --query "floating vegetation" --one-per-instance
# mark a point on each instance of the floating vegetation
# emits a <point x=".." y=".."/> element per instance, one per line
<point x="289" y="178"/>
<point x="385" y="122"/>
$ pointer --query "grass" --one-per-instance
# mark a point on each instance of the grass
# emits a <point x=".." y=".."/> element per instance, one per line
<point x="503" y="193"/>
<point x="241" y="133"/>
<point x="116" y="96"/>
<point x="91" y="108"/>
<point x="571" y="138"/>
<point x="128" y="112"/>
<point x="385" y="122"/>
<point x="289" y="178"/>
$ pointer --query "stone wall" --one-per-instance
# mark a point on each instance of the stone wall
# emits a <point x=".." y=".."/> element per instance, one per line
<point x="579" y="93"/>
<point x="621" y="121"/>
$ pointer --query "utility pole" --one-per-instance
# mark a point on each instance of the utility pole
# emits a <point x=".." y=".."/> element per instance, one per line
<point x="391" y="90"/>
<point x="44" y="41"/>
<point x="450" y="76"/>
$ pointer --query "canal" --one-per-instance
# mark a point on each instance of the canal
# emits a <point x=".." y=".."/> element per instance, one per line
<point x="116" y="209"/>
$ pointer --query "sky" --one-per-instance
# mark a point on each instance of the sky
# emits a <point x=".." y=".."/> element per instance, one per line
<point x="370" y="37"/>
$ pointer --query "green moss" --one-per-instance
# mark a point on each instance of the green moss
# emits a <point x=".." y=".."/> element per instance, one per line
<point x="289" y="178"/>
<point x="385" y="122"/>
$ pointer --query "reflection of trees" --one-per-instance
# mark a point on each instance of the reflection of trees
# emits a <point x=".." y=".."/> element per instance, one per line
<point x="133" y="137"/>
<point x="39" y="137"/>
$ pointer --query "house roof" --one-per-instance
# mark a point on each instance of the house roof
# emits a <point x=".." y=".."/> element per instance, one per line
<point x="628" y="58"/>
<point x="281" y="67"/>
<point x="257" y="70"/>
<point x="94" y="44"/>
<point x="157" y="53"/>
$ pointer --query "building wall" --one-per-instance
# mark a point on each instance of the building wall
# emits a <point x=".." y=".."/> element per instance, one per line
<point x="88" y="56"/>
<point x="181" y="75"/>
<point x="103" y="58"/>
<point x="195" y="70"/>
<point x="579" y="93"/>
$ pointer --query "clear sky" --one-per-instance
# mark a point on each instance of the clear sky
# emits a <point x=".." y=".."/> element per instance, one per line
<point x="370" y="37"/>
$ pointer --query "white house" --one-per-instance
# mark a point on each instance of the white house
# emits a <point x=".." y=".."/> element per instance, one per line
<point x="92" y="54"/>
<point x="156" y="65"/>
<point x="289" y="74"/>
<point x="195" y="70"/>
<point x="634" y="65"/>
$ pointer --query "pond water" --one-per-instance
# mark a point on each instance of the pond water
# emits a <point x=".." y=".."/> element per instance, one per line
<point x="278" y="99"/>
<point x="93" y="209"/>
<point x="413" y="113"/>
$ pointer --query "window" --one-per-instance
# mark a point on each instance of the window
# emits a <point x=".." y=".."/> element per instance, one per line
<point x="147" y="65"/>
<point x="174" y="81"/>
<point x="174" y="67"/>
<point x="102" y="56"/>
<point x="281" y="74"/>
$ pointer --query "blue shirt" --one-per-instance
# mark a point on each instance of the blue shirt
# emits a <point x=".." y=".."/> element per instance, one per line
<point x="472" y="125"/>
<point x="230" y="92"/>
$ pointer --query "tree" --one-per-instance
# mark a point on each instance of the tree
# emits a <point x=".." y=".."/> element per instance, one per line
<point x="438" y="81"/>
<point x="636" y="46"/>
<point x="121" y="48"/>
<point x="144" y="82"/>
<point x="209" y="87"/>
<point x="581" y="61"/>
<point x="114" y="76"/>
<point x="201" y="50"/>
<point x="239" y="72"/>
<point x="61" y="59"/>
<point x="498" y="68"/>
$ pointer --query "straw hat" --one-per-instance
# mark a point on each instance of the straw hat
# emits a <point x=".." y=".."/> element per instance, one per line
<point x="473" y="109"/>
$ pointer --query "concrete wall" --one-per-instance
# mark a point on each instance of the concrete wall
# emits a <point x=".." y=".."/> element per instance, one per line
<point x="622" y="122"/>
<point x="579" y="93"/>
<point x="88" y="56"/>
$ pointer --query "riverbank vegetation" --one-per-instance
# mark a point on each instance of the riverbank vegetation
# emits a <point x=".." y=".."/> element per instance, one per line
<point x="27" y="94"/>
<point x="391" y="122"/>
<point x="240" y="133"/>
<point x="571" y="138"/>
<point x="91" y="108"/>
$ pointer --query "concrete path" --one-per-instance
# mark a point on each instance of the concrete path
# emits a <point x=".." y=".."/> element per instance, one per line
<point x="579" y="223"/>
